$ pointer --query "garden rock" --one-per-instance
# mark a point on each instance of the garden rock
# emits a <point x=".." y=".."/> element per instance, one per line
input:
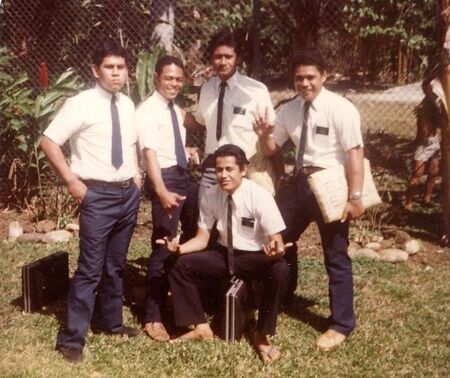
<point x="412" y="246"/>
<point x="393" y="255"/>
<point x="387" y="243"/>
<point x="45" y="226"/>
<point x="15" y="230"/>
<point x="28" y="228"/>
<point x="373" y="245"/>
<point x="33" y="237"/>
<point x="363" y="252"/>
<point x="72" y="227"/>
<point x="57" y="236"/>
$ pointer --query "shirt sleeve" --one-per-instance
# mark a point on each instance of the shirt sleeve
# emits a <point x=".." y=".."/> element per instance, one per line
<point x="206" y="217"/>
<point x="348" y="126"/>
<point x="67" y="122"/>
<point x="280" y="132"/>
<point x="269" y="214"/>
<point x="148" y="132"/>
<point x="198" y="115"/>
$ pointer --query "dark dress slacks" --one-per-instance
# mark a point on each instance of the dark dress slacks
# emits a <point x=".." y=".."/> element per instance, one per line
<point x="190" y="270"/>
<point x="107" y="220"/>
<point x="299" y="208"/>
<point x="176" y="180"/>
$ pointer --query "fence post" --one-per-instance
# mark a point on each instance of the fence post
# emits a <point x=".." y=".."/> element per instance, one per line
<point x="445" y="132"/>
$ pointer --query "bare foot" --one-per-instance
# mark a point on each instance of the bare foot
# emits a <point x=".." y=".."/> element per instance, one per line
<point x="200" y="332"/>
<point x="266" y="351"/>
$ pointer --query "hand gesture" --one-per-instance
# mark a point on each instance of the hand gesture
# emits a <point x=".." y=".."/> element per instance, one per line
<point x="173" y="245"/>
<point x="261" y="125"/>
<point x="275" y="249"/>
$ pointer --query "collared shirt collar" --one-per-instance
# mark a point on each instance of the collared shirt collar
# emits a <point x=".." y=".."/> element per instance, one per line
<point x="231" y="82"/>
<point x="238" y="193"/>
<point x="104" y="93"/>
<point x="161" y="98"/>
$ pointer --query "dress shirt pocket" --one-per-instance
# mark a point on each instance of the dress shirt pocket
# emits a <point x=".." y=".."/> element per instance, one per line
<point x="321" y="136"/>
<point x="247" y="227"/>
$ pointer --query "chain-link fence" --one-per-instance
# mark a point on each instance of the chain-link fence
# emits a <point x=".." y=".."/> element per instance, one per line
<point x="378" y="51"/>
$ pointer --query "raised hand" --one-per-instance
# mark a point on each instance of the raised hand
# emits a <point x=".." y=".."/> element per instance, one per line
<point x="262" y="126"/>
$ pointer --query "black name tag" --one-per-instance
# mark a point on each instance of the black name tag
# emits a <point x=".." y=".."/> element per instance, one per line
<point x="238" y="110"/>
<point x="248" y="222"/>
<point x="322" y="130"/>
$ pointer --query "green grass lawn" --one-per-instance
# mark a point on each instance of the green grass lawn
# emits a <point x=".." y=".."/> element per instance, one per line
<point x="403" y="329"/>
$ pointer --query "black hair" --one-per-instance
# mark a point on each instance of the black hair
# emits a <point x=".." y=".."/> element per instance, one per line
<point x="167" y="60"/>
<point x="224" y="37"/>
<point x="108" y="48"/>
<point x="232" y="150"/>
<point x="308" y="57"/>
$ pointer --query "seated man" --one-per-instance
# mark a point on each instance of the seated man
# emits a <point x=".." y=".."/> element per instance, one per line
<point x="249" y="246"/>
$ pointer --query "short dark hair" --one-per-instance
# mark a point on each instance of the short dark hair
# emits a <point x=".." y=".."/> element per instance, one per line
<point x="108" y="48"/>
<point x="167" y="60"/>
<point x="232" y="150"/>
<point x="308" y="57"/>
<point x="224" y="37"/>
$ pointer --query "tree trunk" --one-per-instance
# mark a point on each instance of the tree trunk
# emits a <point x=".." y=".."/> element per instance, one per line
<point x="445" y="132"/>
<point x="255" y="38"/>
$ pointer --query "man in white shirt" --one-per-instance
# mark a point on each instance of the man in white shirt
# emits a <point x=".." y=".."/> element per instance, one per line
<point x="228" y="104"/>
<point x="172" y="190"/>
<point x="103" y="178"/>
<point x="249" y="246"/>
<point x="326" y="131"/>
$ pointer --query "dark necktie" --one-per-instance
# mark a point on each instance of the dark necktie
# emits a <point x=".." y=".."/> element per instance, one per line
<point x="230" y="257"/>
<point x="302" y="144"/>
<point x="220" y="110"/>
<point x="179" y="147"/>
<point x="116" y="140"/>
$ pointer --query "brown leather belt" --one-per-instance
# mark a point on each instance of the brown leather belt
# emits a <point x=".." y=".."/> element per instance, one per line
<point x="309" y="170"/>
<point x="109" y="184"/>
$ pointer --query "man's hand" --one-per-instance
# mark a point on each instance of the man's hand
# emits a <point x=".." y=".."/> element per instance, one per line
<point x="170" y="201"/>
<point x="275" y="249"/>
<point x="173" y="245"/>
<point x="352" y="210"/>
<point x="261" y="125"/>
<point x="77" y="189"/>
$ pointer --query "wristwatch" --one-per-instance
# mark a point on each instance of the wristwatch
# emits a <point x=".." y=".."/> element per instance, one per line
<point x="355" y="196"/>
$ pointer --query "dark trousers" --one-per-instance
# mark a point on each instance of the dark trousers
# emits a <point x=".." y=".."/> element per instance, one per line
<point x="107" y="220"/>
<point x="299" y="208"/>
<point x="191" y="269"/>
<point x="179" y="181"/>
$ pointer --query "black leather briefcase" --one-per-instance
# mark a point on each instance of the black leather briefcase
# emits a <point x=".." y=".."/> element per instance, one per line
<point x="231" y="320"/>
<point x="45" y="281"/>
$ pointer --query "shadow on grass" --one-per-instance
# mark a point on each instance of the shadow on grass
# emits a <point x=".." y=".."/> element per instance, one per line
<point x="299" y="309"/>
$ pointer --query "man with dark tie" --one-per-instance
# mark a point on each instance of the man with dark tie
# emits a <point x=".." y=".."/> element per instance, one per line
<point x="249" y="246"/>
<point x="173" y="193"/>
<point x="326" y="130"/>
<point x="103" y="177"/>
<point x="228" y="104"/>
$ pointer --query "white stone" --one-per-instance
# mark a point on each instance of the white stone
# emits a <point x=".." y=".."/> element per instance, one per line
<point x="393" y="255"/>
<point x="72" y="227"/>
<point x="412" y="246"/>
<point x="373" y="245"/>
<point x="15" y="230"/>
<point x="57" y="236"/>
<point x="363" y="252"/>
<point x="33" y="237"/>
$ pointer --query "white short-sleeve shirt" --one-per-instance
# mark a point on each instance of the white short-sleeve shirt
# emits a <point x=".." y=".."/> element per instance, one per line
<point x="255" y="215"/>
<point x="85" y="120"/>
<point x="334" y="127"/>
<point x="244" y="99"/>
<point x="154" y="125"/>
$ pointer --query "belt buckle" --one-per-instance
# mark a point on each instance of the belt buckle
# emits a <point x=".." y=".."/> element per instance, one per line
<point x="125" y="184"/>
